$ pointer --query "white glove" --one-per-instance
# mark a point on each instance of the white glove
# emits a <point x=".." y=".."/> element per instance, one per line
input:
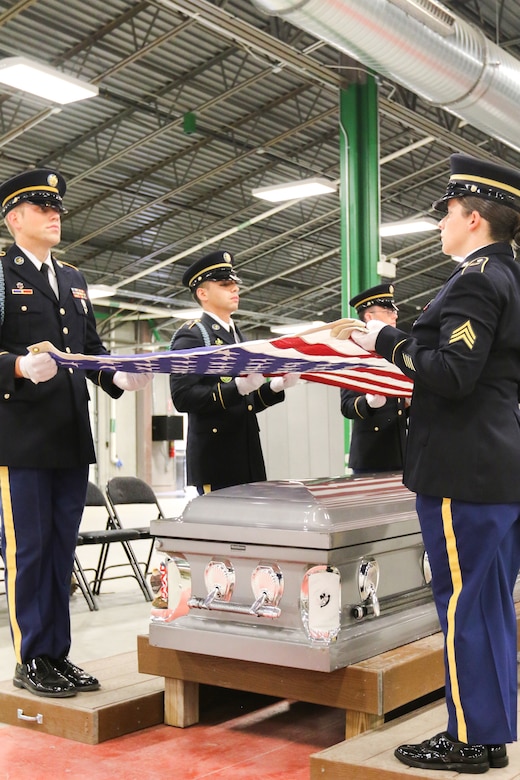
<point x="279" y="383"/>
<point x="375" y="401"/>
<point x="247" y="384"/>
<point x="38" y="368"/>
<point x="342" y="329"/>
<point x="127" y="380"/>
<point x="368" y="340"/>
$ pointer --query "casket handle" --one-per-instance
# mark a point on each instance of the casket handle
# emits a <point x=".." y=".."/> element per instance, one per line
<point x="215" y="593"/>
<point x="368" y="580"/>
<point x="374" y="601"/>
<point x="258" y="607"/>
<point x="258" y="603"/>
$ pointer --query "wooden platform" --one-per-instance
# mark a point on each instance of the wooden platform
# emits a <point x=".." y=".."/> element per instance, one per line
<point x="371" y="756"/>
<point x="127" y="701"/>
<point x="367" y="691"/>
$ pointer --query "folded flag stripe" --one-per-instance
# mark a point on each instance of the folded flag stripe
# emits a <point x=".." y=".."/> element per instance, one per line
<point x="316" y="355"/>
<point x="363" y="382"/>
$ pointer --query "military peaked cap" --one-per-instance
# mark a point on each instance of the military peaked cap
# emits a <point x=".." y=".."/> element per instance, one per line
<point x="216" y="267"/>
<point x="42" y="186"/>
<point x="380" y="295"/>
<point x="481" y="179"/>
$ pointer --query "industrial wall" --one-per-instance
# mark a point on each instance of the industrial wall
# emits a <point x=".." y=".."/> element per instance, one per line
<point x="302" y="438"/>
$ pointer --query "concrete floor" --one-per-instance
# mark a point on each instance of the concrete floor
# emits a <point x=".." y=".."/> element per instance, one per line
<point x="240" y="735"/>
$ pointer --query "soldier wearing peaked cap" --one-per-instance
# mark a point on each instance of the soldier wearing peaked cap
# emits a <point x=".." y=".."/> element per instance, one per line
<point x="378" y="437"/>
<point x="217" y="266"/>
<point x="41" y="186"/>
<point x="463" y="460"/>
<point x="223" y="444"/>
<point x="382" y="296"/>
<point x="46" y="444"/>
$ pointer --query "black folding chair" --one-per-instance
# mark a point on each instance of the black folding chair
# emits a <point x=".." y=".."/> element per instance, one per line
<point x="111" y="534"/>
<point x="126" y="491"/>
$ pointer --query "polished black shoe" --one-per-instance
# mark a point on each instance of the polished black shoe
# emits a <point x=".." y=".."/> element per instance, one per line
<point x="41" y="678"/>
<point x="80" y="679"/>
<point x="443" y="752"/>
<point x="497" y="756"/>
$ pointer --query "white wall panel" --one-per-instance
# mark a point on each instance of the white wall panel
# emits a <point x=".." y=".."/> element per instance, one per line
<point x="302" y="438"/>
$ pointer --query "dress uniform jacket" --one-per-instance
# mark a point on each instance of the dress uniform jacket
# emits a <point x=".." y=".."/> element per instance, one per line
<point x="223" y="442"/>
<point x="378" y="438"/>
<point x="464" y="355"/>
<point x="46" y="425"/>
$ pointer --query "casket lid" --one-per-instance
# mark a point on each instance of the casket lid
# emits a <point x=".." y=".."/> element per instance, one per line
<point x="320" y="513"/>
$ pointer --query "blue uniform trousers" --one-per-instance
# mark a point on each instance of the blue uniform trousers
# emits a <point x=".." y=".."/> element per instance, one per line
<point x="41" y="513"/>
<point x="474" y="553"/>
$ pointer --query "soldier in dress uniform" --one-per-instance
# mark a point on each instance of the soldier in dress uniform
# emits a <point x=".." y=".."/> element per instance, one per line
<point x="46" y="443"/>
<point x="463" y="460"/>
<point x="379" y="429"/>
<point x="223" y="442"/>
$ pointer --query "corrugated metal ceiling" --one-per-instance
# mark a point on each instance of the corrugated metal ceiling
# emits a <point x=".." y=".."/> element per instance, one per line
<point x="144" y="195"/>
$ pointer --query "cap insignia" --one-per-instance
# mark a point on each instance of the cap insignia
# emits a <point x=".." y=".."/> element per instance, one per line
<point x="227" y="257"/>
<point x="52" y="180"/>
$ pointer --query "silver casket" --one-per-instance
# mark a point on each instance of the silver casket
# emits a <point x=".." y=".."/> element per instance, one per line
<point x="313" y="574"/>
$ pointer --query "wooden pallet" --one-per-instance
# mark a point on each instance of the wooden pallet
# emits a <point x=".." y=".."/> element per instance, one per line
<point x="367" y="691"/>
<point x="370" y="756"/>
<point x="127" y="701"/>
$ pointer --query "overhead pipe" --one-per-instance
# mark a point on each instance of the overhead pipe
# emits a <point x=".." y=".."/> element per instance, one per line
<point x="424" y="47"/>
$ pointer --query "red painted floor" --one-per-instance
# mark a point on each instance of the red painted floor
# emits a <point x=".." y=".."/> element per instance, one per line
<point x="241" y="736"/>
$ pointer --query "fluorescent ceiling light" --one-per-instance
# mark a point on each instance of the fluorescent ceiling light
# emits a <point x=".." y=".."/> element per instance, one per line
<point x="295" y="189"/>
<point x="403" y="228"/>
<point x="97" y="291"/>
<point x="30" y="76"/>
<point x="296" y="327"/>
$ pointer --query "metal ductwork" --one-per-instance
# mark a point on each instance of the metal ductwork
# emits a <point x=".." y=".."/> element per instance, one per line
<point x="424" y="47"/>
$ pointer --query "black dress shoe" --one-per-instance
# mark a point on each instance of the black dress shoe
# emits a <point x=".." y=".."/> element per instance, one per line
<point x="41" y="678"/>
<point x="497" y="756"/>
<point x="443" y="752"/>
<point x="78" y="677"/>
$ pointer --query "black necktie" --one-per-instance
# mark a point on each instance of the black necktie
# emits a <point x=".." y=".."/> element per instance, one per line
<point x="45" y="270"/>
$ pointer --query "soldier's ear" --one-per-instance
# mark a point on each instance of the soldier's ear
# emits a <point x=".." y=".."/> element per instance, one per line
<point x="476" y="220"/>
<point x="200" y="293"/>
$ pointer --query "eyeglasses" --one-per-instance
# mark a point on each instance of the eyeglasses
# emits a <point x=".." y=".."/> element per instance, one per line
<point x="382" y="310"/>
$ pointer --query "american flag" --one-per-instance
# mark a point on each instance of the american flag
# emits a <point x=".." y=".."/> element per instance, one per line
<point x="316" y="355"/>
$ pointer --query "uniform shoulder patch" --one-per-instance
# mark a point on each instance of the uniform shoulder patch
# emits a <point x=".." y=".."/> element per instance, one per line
<point x="69" y="265"/>
<point x="464" y="333"/>
<point x="478" y="264"/>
